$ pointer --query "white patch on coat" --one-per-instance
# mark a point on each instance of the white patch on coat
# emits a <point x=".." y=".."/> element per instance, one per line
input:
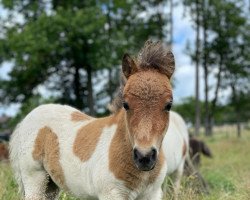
<point x="172" y="144"/>
<point x="86" y="179"/>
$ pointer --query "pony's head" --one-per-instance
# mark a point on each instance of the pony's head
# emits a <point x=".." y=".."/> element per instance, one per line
<point x="147" y="99"/>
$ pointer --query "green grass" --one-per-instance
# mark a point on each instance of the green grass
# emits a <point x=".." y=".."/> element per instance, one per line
<point x="228" y="173"/>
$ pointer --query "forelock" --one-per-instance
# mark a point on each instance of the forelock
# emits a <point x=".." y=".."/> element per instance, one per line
<point x="155" y="55"/>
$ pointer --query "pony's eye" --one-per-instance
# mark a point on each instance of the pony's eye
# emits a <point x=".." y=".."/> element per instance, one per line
<point x="168" y="106"/>
<point x="125" y="106"/>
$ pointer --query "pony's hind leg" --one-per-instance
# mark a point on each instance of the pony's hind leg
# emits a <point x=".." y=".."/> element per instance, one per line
<point x="34" y="183"/>
<point x="39" y="186"/>
<point x="52" y="190"/>
<point x="177" y="179"/>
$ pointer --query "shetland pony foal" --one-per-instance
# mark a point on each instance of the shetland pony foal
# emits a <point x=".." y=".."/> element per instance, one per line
<point x="116" y="157"/>
<point x="175" y="145"/>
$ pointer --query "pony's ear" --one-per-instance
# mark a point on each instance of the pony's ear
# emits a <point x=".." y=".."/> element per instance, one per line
<point x="170" y="64"/>
<point x="128" y="66"/>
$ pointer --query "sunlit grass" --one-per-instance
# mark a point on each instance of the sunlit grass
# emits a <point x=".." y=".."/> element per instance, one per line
<point x="227" y="173"/>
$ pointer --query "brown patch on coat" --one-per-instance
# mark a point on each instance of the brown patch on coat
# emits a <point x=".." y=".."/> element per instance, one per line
<point x="46" y="150"/>
<point x="184" y="149"/>
<point x="88" y="137"/>
<point x="79" y="116"/>
<point x="4" y="153"/>
<point x="121" y="163"/>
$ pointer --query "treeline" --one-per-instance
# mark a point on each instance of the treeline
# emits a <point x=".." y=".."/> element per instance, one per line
<point x="69" y="48"/>
<point x="224" y="114"/>
<point x="70" y="51"/>
<point x="222" y="50"/>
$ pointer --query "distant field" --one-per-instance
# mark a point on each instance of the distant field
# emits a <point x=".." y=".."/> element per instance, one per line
<point x="228" y="173"/>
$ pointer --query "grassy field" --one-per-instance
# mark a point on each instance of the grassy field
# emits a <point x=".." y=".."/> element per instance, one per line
<point x="228" y="173"/>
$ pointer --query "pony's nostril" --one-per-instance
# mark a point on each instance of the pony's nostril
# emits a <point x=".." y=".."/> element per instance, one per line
<point x="145" y="162"/>
<point x="153" y="154"/>
<point x="137" y="154"/>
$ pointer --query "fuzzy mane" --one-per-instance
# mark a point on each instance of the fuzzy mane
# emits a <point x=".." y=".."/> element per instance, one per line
<point x="154" y="55"/>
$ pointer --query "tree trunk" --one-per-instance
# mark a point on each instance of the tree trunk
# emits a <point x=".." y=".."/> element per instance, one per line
<point x="197" y="97"/>
<point x="214" y="101"/>
<point x="171" y="24"/>
<point x="236" y="109"/>
<point x="160" y="20"/>
<point x="90" y="91"/>
<point x="210" y="122"/>
<point x="77" y="89"/>
<point x="238" y="129"/>
<point x="110" y="92"/>
<point x="205" y="67"/>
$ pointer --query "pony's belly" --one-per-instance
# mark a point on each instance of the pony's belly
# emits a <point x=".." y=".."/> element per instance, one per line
<point x="89" y="181"/>
<point x="78" y="175"/>
<point x="78" y="182"/>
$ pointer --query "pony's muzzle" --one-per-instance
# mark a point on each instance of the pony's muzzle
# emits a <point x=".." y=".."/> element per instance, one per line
<point x="145" y="162"/>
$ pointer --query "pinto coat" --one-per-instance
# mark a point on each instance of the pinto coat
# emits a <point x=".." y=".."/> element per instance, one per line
<point x="116" y="157"/>
<point x="47" y="147"/>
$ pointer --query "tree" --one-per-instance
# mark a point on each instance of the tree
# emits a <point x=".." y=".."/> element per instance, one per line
<point x="54" y="49"/>
<point x="195" y="10"/>
<point x="205" y="5"/>
<point x="226" y="47"/>
<point x="64" y="46"/>
<point x="224" y="53"/>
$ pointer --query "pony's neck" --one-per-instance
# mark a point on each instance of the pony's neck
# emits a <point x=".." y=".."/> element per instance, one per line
<point x="120" y="157"/>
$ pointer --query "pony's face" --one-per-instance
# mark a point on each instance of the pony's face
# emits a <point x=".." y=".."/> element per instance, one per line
<point x="147" y="99"/>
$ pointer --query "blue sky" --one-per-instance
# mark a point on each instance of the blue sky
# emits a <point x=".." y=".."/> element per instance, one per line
<point x="184" y="74"/>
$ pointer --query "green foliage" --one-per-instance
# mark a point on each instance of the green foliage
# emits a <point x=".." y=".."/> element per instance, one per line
<point x="65" y="45"/>
<point x="224" y="113"/>
<point x="186" y="109"/>
<point x="48" y="49"/>
<point x="226" y="55"/>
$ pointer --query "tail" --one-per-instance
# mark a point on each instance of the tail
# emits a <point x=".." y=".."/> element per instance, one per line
<point x="14" y="158"/>
<point x="194" y="171"/>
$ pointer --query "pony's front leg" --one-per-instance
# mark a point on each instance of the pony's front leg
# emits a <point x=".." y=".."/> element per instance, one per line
<point x="112" y="194"/>
<point x="153" y="195"/>
<point x="111" y="197"/>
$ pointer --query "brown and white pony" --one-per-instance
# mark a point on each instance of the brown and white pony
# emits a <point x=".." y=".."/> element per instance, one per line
<point x="175" y="145"/>
<point x="117" y="157"/>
